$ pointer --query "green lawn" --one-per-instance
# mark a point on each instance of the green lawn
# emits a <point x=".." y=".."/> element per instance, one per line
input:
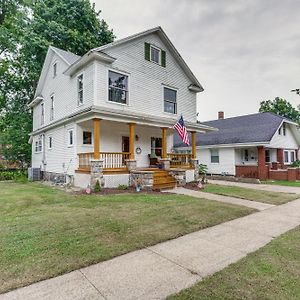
<point x="45" y="232"/>
<point x="283" y="182"/>
<point x="250" y="194"/>
<point x="272" y="272"/>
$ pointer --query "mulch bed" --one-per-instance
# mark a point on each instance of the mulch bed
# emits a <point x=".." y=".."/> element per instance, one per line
<point x="194" y="186"/>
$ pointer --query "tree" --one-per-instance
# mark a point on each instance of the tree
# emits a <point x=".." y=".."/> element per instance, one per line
<point x="32" y="26"/>
<point x="281" y="107"/>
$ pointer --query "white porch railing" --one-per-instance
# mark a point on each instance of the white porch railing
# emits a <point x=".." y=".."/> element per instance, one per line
<point x="111" y="160"/>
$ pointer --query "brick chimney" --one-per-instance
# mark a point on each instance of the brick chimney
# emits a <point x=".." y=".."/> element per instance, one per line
<point x="221" y="115"/>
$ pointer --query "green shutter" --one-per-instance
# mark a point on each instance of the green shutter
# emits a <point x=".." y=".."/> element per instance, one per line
<point x="163" y="58"/>
<point x="147" y="51"/>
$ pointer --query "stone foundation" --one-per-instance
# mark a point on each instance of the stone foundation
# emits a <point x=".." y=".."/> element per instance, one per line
<point x="54" y="177"/>
<point x="195" y="165"/>
<point x="144" y="177"/>
<point x="131" y="164"/>
<point x="179" y="175"/>
<point x="97" y="172"/>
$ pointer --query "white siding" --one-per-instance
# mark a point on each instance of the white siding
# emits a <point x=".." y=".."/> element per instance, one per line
<point x="226" y="161"/>
<point x="146" y="80"/>
<point x="287" y="141"/>
<point x="64" y="89"/>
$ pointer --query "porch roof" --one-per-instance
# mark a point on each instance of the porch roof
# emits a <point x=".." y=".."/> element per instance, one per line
<point x="118" y="115"/>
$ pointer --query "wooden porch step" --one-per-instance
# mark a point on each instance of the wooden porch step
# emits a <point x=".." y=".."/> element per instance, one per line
<point x="163" y="186"/>
<point x="163" y="180"/>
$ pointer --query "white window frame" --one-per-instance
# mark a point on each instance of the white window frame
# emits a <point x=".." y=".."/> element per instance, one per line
<point x="80" y="91"/>
<point x="128" y="86"/>
<point x="54" y="69"/>
<point x="69" y="140"/>
<point x="159" y="54"/>
<point x="288" y="156"/>
<point x="42" y="113"/>
<point x="212" y="162"/>
<point x="163" y="96"/>
<point x="292" y="155"/>
<point x="38" y="145"/>
<point x="52" y="105"/>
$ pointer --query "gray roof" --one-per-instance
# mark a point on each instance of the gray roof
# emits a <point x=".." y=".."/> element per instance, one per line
<point x="253" y="128"/>
<point x="68" y="56"/>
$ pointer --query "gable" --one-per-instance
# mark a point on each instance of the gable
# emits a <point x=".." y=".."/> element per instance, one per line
<point x="158" y="38"/>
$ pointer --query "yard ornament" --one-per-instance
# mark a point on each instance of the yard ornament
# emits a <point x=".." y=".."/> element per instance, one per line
<point x="88" y="189"/>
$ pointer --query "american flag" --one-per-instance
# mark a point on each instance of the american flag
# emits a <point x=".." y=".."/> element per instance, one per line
<point x="181" y="129"/>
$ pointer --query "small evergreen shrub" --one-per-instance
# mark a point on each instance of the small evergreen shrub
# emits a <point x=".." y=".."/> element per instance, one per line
<point x="97" y="187"/>
<point x="123" y="187"/>
<point x="296" y="164"/>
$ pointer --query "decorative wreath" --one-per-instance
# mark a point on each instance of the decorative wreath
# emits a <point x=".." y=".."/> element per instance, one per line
<point x="138" y="150"/>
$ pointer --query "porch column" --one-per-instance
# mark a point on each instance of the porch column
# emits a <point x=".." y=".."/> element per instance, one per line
<point x="164" y="142"/>
<point x="280" y="157"/>
<point x="193" y="133"/>
<point x="96" y="125"/>
<point x="165" y="161"/>
<point x="131" y="140"/>
<point x="131" y="162"/>
<point x="262" y="169"/>
<point x="194" y="160"/>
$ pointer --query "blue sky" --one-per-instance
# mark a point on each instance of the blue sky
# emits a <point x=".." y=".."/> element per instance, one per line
<point x="242" y="51"/>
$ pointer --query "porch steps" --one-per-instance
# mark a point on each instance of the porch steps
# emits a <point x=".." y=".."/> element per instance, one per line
<point x="163" y="180"/>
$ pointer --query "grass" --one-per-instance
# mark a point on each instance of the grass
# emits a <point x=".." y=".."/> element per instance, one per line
<point x="250" y="194"/>
<point x="272" y="272"/>
<point x="45" y="232"/>
<point x="283" y="182"/>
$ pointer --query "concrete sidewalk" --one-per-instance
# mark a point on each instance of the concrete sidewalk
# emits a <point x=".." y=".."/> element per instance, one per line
<point x="221" y="198"/>
<point x="167" y="268"/>
<point x="257" y="186"/>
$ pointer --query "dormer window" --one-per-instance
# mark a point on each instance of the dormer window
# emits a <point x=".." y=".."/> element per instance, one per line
<point x="54" y="69"/>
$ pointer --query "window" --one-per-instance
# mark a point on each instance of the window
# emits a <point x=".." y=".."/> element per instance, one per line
<point x="286" y="156"/>
<point x="292" y="156"/>
<point x="54" y="69"/>
<point x="283" y="128"/>
<point x="170" y="105"/>
<point x="118" y="87"/>
<point x="156" y="146"/>
<point x="279" y="130"/>
<point x="214" y="156"/>
<point x="70" y="137"/>
<point x="52" y="108"/>
<point x="42" y="114"/>
<point x="246" y="155"/>
<point x="155" y="54"/>
<point x="87" y="138"/>
<point x="50" y="142"/>
<point x="38" y="145"/>
<point x="80" y="89"/>
<point x="268" y="158"/>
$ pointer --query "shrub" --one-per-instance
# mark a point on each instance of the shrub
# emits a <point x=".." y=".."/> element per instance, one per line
<point x="97" y="187"/>
<point x="16" y="175"/>
<point x="296" y="164"/>
<point x="123" y="187"/>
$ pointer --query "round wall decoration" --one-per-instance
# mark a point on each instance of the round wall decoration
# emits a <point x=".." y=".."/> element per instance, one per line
<point x="138" y="150"/>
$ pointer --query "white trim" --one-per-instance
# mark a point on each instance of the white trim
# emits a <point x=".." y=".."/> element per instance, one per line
<point x="159" y="54"/>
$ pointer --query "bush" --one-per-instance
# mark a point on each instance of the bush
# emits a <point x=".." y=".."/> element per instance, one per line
<point x="97" y="187"/>
<point x="296" y="164"/>
<point x="16" y="175"/>
<point x="123" y="187"/>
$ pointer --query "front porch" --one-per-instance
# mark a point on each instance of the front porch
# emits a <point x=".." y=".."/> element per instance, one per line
<point x="121" y="150"/>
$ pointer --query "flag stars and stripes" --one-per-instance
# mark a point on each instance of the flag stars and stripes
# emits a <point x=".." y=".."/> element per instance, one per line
<point x="182" y="131"/>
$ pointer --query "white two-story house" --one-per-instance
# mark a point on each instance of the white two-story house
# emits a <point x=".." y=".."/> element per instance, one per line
<point x="117" y="103"/>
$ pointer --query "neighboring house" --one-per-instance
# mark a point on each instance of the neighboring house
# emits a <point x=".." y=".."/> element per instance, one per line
<point x="244" y="143"/>
<point x="112" y="108"/>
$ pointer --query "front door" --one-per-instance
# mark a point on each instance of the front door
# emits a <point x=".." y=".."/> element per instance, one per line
<point x="125" y="143"/>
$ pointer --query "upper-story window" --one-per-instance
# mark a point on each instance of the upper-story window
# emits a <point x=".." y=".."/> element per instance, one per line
<point x="52" y="107"/>
<point x="283" y="129"/>
<point x="54" y="69"/>
<point x="155" y="54"/>
<point x="170" y="100"/>
<point x="117" y="87"/>
<point x="80" y="89"/>
<point x="38" y="145"/>
<point x="70" y="137"/>
<point x="42" y="114"/>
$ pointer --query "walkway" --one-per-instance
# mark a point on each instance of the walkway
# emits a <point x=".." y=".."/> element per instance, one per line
<point x="221" y="198"/>
<point x="167" y="268"/>
<point x="258" y="186"/>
